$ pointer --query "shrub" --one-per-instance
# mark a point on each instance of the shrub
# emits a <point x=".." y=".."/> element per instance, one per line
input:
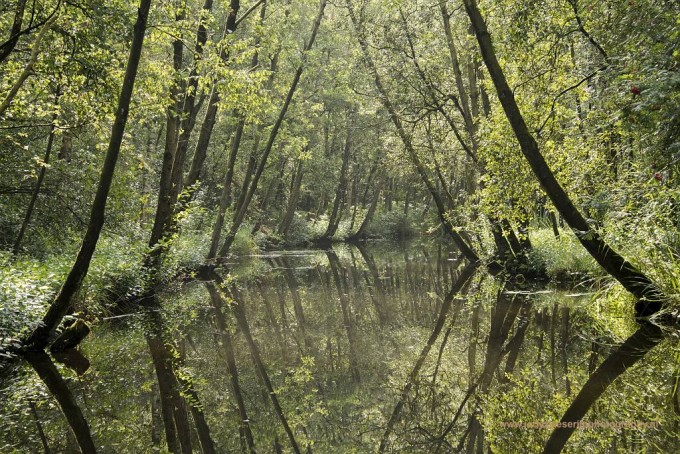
<point x="393" y="225"/>
<point x="563" y="256"/>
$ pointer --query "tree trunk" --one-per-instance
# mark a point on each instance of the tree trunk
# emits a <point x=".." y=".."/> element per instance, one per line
<point x="462" y="93"/>
<point x="15" y="32"/>
<point x="28" y="69"/>
<point x="292" y="200"/>
<point x="361" y="232"/>
<point x="225" y="197"/>
<point x="163" y="205"/>
<point x="40" y="336"/>
<point x="186" y="124"/>
<point x="354" y="200"/>
<point x="66" y="146"/>
<point x="553" y="223"/>
<point x="38" y="184"/>
<point x="274" y="192"/>
<point x="406" y="140"/>
<point x="650" y="296"/>
<point x="341" y="191"/>
<point x="210" y="118"/>
<point x="241" y="213"/>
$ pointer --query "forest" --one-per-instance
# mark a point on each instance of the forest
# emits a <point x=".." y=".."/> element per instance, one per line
<point x="339" y="226"/>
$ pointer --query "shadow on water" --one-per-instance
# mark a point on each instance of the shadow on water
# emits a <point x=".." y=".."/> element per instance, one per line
<point x="376" y="347"/>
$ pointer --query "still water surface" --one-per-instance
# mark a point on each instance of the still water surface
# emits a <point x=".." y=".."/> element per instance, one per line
<point x="388" y="347"/>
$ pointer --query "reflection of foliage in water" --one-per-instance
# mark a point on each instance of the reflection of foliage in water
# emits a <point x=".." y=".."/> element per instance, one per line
<point x="381" y="308"/>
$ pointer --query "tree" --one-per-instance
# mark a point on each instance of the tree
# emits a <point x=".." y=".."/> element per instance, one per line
<point x="40" y="337"/>
<point x="406" y="140"/>
<point x="630" y="277"/>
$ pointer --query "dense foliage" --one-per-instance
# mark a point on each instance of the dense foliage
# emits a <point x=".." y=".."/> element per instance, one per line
<point x="278" y="124"/>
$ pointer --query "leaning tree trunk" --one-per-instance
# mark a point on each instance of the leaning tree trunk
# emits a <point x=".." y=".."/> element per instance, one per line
<point x="287" y="219"/>
<point x="361" y="231"/>
<point x="210" y="118"/>
<point x="163" y="205"/>
<point x="465" y="249"/>
<point x="241" y="212"/>
<point x="187" y="122"/>
<point x="629" y="276"/>
<point x="41" y="178"/>
<point x="15" y="32"/>
<point x="504" y="235"/>
<point x="225" y="197"/>
<point x="59" y="307"/>
<point x="28" y="69"/>
<point x="341" y="191"/>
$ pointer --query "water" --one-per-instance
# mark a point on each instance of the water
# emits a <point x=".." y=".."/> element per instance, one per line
<point x="393" y="347"/>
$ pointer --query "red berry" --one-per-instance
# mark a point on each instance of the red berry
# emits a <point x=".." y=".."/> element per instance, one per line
<point x="657" y="176"/>
<point x="635" y="89"/>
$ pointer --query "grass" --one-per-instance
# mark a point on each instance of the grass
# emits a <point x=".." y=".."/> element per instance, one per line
<point x="563" y="257"/>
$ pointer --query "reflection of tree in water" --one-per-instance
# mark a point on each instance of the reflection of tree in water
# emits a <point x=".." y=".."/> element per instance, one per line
<point x="458" y="285"/>
<point x="55" y="383"/>
<point x="629" y="353"/>
<point x="358" y="349"/>
<point x="237" y="308"/>
<point x="224" y="331"/>
<point x="174" y="384"/>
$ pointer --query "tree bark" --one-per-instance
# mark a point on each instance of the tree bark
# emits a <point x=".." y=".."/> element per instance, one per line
<point x="225" y="196"/>
<point x="462" y="93"/>
<point x="361" y="232"/>
<point x="210" y="118"/>
<point x="292" y="201"/>
<point x="163" y="205"/>
<point x="28" y="69"/>
<point x="40" y="336"/>
<point x="39" y="427"/>
<point x="15" y="32"/>
<point x="650" y="296"/>
<point x="188" y="120"/>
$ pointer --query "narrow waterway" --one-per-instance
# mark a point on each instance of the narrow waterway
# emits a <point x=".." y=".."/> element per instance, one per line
<point x="394" y="347"/>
